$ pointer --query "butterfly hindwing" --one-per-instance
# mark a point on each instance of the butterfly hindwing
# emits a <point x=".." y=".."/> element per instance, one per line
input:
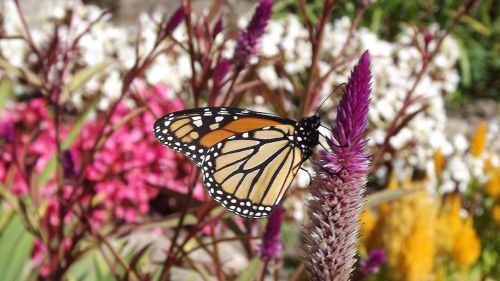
<point x="248" y="173"/>
<point x="194" y="131"/>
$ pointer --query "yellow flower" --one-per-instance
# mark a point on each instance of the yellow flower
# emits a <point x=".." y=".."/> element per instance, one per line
<point x="418" y="257"/>
<point x="438" y="162"/>
<point x="467" y="246"/>
<point x="495" y="213"/>
<point x="367" y="220"/>
<point x="405" y="229"/>
<point x="478" y="140"/>
<point x="449" y="223"/>
<point x="488" y="164"/>
<point x="493" y="185"/>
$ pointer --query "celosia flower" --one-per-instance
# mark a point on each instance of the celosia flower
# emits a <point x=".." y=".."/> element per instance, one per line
<point x="367" y="219"/>
<point x="68" y="164"/>
<point x="373" y="262"/>
<point x="248" y="41"/>
<point x="438" y="162"/>
<point x="406" y="230"/>
<point x="271" y="244"/>
<point x="174" y="21"/>
<point x="478" y="140"/>
<point x="220" y="72"/>
<point x="467" y="246"/>
<point x="8" y="132"/>
<point x="495" y="213"/>
<point x="449" y="223"/>
<point x="219" y="25"/>
<point x="338" y="188"/>
<point x="419" y="249"/>
<point x="493" y="185"/>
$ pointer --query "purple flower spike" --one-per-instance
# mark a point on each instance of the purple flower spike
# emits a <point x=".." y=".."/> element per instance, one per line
<point x="68" y="165"/>
<point x="220" y="72"/>
<point x="248" y="41"/>
<point x="271" y="244"/>
<point x="174" y="21"/>
<point x="8" y="131"/>
<point x="219" y="25"/>
<point x="338" y="187"/>
<point x="373" y="262"/>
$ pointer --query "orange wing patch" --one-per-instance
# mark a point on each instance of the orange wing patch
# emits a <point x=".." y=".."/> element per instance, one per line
<point x="238" y="126"/>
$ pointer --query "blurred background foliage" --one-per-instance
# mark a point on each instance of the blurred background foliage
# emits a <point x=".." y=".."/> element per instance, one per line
<point x="478" y="34"/>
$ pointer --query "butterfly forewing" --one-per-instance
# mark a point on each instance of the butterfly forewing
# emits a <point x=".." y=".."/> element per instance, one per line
<point x="250" y="172"/>
<point x="194" y="131"/>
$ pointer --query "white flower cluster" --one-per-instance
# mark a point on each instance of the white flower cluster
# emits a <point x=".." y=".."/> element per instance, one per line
<point x="104" y="43"/>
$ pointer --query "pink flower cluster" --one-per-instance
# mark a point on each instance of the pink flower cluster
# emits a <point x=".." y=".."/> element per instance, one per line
<point x="132" y="165"/>
<point x="123" y="175"/>
<point x="27" y="138"/>
<point x="119" y="178"/>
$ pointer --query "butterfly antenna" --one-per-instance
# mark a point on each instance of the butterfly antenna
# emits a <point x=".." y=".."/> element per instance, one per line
<point x="315" y="113"/>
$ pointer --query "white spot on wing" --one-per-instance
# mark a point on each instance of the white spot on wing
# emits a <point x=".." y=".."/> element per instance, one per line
<point x="198" y="123"/>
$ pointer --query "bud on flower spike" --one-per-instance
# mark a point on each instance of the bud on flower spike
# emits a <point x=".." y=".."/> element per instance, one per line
<point x="339" y="185"/>
<point x="271" y="244"/>
<point x="248" y="40"/>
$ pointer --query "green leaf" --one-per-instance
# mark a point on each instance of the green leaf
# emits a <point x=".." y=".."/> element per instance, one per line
<point x="383" y="196"/>
<point x="25" y="73"/>
<point x="83" y="268"/>
<point x="6" y="88"/>
<point x="249" y="273"/>
<point x="15" y="244"/>
<point x="464" y="62"/>
<point x="5" y="217"/>
<point x="83" y="76"/>
<point x="376" y="20"/>
<point x="476" y="25"/>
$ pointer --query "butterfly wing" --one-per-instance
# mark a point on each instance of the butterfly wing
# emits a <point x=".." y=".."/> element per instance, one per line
<point x="194" y="131"/>
<point x="250" y="172"/>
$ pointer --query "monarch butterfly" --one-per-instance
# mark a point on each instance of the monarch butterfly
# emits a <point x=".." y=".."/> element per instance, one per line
<point x="248" y="159"/>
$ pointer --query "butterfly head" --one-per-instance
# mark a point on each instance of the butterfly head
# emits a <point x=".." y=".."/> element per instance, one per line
<point x="307" y="135"/>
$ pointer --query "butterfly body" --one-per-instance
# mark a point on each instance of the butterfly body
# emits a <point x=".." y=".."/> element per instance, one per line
<point x="248" y="159"/>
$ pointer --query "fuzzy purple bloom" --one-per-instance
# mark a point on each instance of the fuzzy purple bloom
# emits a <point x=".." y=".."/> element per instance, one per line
<point x="68" y="165"/>
<point x="8" y="132"/>
<point x="219" y="25"/>
<point x="339" y="185"/>
<point x="220" y="72"/>
<point x="373" y="262"/>
<point x="248" y="41"/>
<point x="174" y="21"/>
<point x="271" y="244"/>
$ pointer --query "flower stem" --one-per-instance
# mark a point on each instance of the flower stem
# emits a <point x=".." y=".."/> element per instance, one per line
<point x="316" y="47"/>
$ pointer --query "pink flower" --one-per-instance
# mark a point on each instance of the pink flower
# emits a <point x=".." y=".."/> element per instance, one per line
<point x="132" y="165"/>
